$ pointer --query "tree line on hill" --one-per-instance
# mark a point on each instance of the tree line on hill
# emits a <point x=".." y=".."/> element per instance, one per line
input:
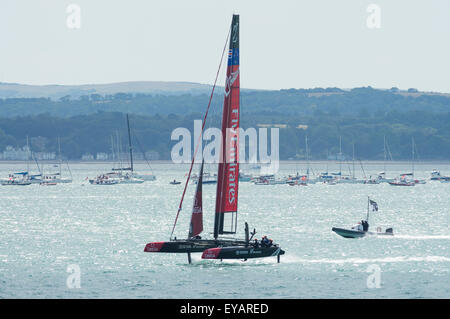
<point x="91" y="133"/>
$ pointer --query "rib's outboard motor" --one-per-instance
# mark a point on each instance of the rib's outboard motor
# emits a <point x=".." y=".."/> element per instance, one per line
<point x="389" y="230"/>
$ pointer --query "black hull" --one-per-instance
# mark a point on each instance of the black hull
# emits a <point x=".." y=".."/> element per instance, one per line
<point x="189" y="246"/>
<point x="350" y="233"/>
<point x="242" y="252"/>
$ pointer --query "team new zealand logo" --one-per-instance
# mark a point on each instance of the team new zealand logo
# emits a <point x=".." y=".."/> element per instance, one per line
<point x="230" y="80"/>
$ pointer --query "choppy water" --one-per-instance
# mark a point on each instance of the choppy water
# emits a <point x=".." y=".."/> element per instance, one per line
<point x="103" y="230"/>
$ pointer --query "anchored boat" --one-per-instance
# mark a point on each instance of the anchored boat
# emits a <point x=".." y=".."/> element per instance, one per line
<point x="225" y="219"/>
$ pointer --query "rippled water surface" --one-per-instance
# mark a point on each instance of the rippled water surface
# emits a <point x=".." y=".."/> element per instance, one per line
<point x="103" y="230"/>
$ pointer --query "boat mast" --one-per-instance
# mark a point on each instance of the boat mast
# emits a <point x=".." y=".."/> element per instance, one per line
<point x="28" y="157"/>
<point x="228" y="170"/>
<point x="307" y="157"/>
<point x="368" y="203"/>
<point x="353" y="159"/>
<point x="340" y="156"/>
<point x="129" y="144"/>
<point x="112" y="150"/>
<point x="413" y="157"/>
<point x="59" y="155"/>
<point x="384" y="150"/>
<point x="119" y="149"/>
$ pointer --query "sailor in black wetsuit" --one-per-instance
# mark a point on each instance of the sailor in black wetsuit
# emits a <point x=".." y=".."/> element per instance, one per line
<point x="265" y="242"/>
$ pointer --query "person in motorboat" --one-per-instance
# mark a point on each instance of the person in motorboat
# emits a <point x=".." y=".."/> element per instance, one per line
<point x="365" y="225"/>
<point x="358" y="227"/>
<point x="256" y="244"/>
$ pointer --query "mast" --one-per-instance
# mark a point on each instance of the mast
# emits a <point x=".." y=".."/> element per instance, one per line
<point x="119" y="149"/>
<point x="353" y="160"/>
<point x="59" y="155"/>
<point x="112" y="150"/>
<point x="412" y="157"/>
<point x="384" y="150"/>
<point x="28" y="157"/>
<point x="129" y="144"/>
<point x="228" y="171"/>
<point x="340" y="156"/>
<point x="368" y="203"/>
<point x="307" y="157"/>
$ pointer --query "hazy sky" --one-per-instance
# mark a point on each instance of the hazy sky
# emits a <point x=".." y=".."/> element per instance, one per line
<point x="284" y="44"/>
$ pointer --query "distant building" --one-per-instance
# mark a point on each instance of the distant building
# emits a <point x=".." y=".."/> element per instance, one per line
<point x="19" y="154"/>
<point x="337" y="157"/>
<point x="101" y="157"/>
<point x="44" y="156"/>
<point x="152" y="155"/>
<point x="87" y="157"/>
<point x="273" y="125"/>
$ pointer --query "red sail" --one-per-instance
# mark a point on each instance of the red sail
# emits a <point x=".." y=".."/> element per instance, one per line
<point x="228" y="173"/>
<point x="196" y="226"/>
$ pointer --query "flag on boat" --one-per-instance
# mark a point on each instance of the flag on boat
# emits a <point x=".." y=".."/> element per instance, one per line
<point x="374" y="205"/>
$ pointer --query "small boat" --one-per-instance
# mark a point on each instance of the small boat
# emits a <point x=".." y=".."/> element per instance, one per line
<point x="130" y="179"/>
<point x="372" y="180"/>
<point x="402" y="181"/>
<point x="436" y="176"/>
<point x="47" y="183"/>
<point x="207" y="178"/>
<point x="55" y="178"/>
<point x="354" y="233"/>
<point x="269" y="180"/>
<point x="175" y="182"/>
<point x="297" y="180"/>
<point x="362" y="228"/>
<point x="381" y="178"/>
<point x="15" y="182"/>
<point x="104" y="180"/>
<point x="245" y="177"/>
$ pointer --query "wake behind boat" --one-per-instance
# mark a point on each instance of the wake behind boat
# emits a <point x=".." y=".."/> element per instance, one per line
<point x="225" y="218"/>
<point x="361" y="229"/>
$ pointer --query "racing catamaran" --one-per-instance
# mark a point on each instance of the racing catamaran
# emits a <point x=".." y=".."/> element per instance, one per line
<point x="225" y="220"/>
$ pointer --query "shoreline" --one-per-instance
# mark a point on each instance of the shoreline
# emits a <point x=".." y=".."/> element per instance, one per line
<point x="164" y="162"/>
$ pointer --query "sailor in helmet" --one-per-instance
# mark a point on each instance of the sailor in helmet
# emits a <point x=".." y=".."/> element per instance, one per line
<point x="264" y="241"/>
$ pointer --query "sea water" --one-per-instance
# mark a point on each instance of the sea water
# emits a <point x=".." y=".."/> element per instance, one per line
<point x="87" y="241"/>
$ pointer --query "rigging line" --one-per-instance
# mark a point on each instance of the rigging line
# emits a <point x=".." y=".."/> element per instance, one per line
<point x="142" y="150"/>
<point x="200" y="135"/>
